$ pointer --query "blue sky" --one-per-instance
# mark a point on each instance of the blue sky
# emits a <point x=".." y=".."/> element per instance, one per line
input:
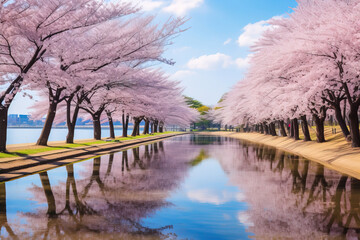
<point x="211" y="56"/>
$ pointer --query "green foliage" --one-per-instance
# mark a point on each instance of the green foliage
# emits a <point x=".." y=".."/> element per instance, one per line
<point x="192" y="102"/>
<point x="201" y="157"/>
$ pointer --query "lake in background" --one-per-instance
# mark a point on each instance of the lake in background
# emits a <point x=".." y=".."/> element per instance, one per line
<point x="31" y="135"/>
<point x="186" y="187"/>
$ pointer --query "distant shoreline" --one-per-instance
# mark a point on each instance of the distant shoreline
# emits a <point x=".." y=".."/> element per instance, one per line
<point x="63" y="127"/>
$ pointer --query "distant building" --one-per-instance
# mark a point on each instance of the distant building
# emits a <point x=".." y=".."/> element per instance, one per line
<point x="24" y="119"/>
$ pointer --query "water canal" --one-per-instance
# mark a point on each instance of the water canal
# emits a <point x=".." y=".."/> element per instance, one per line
<point x="186" y="187"/>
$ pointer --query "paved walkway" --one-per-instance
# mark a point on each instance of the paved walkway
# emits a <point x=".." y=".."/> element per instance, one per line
<point x="11" y="168"/>
<point x="336" y="154"/>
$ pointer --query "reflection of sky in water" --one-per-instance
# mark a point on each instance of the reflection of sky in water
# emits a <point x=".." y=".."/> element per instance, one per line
<point x="199" y="187"/>
<point x="20" y="199"/>
<point x="205" y="206"/>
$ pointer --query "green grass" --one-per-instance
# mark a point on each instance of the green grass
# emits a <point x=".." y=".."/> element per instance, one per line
<point x="30" y="151"/>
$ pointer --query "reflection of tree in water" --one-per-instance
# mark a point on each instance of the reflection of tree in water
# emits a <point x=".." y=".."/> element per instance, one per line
<point x="207" y="140"/>
<point x="3" y="214"/>
<point x="110" y="202"/>
<point x="308" y="199"/>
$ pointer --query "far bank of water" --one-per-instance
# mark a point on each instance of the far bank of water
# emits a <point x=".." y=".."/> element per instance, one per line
<point x="31" y="135"/>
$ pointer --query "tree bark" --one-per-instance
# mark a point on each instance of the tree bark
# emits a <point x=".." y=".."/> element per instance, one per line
<point x="305" y="128"/>
<point x="354" y="125"/>
<point x="261" y="128"/>
<point x="71" y="121"/>
<point x="296" y="128"/>
<point x="320" y="131"/>
<point x="341" y="120"/>
<point x="111" y="125"/>
<point x="125" y="123"/>
<point x="156" y="123"/>
<point x="266" y="128"/>
<point x="97" y="126"/>
<point x="3" y="128"/>
<point x="161" y="127"/>
<point x="138" y="128"/>
<point x="272" y="129"/>
<point x="146" y="127"/>
<point x="45" y="133"/>
<point x="282" y="128"/>
<point x="135" y="129"/>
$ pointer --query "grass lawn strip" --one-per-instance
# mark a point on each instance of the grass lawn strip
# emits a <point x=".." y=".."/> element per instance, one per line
<point x="30" y="150"/>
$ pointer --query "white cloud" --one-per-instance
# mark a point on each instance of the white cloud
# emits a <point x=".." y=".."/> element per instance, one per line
<point x="244" y="219"/>
<point x="213" y="61"/>
<point x="253" y="32"/>
<point x="179" y="75"/>
<point x="228" y="41"/>
<point x="148" y="5"/>
<point x="208" y="196"/>
<point x="218" y="60"/>
<point x="243" y="63"/>
<point x="181" y="7"/>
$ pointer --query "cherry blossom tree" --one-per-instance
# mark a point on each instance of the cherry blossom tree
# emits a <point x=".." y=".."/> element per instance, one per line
<point x="29" y="27"/>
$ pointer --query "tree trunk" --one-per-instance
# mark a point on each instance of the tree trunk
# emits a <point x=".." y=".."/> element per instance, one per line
<point x="292" y="129"/>
<point x="138" y="128"/>
<point x="146" y="126"/>
<point x="282" y="128"/>
<point x="320" y="132"/>
<point x="136" y="123"/>
<point x="161" y="127"/>
<point x="156" y="126"/>
<point x="272" y="129"/>
<point x="3" y="128"/>
<point x="341" y="120"/>
<point x="296" y="128"/>
<point x="45" y="133"/>
<point x="111" y="125"/>
<point x="305" y="128"/>
<point x="261" y="128"/>
<point x="71" y="121"/>
<point x="354" y="125"/>
<point x="266" y="128"/>
<point x="97" y="126"/>
<point x="125" y="123"/>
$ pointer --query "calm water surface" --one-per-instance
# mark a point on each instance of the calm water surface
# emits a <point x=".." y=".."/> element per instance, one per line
<point x="188" y="187"/>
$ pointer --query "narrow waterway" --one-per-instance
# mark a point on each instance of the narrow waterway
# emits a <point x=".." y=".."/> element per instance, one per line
<point x="186" y="187"/>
